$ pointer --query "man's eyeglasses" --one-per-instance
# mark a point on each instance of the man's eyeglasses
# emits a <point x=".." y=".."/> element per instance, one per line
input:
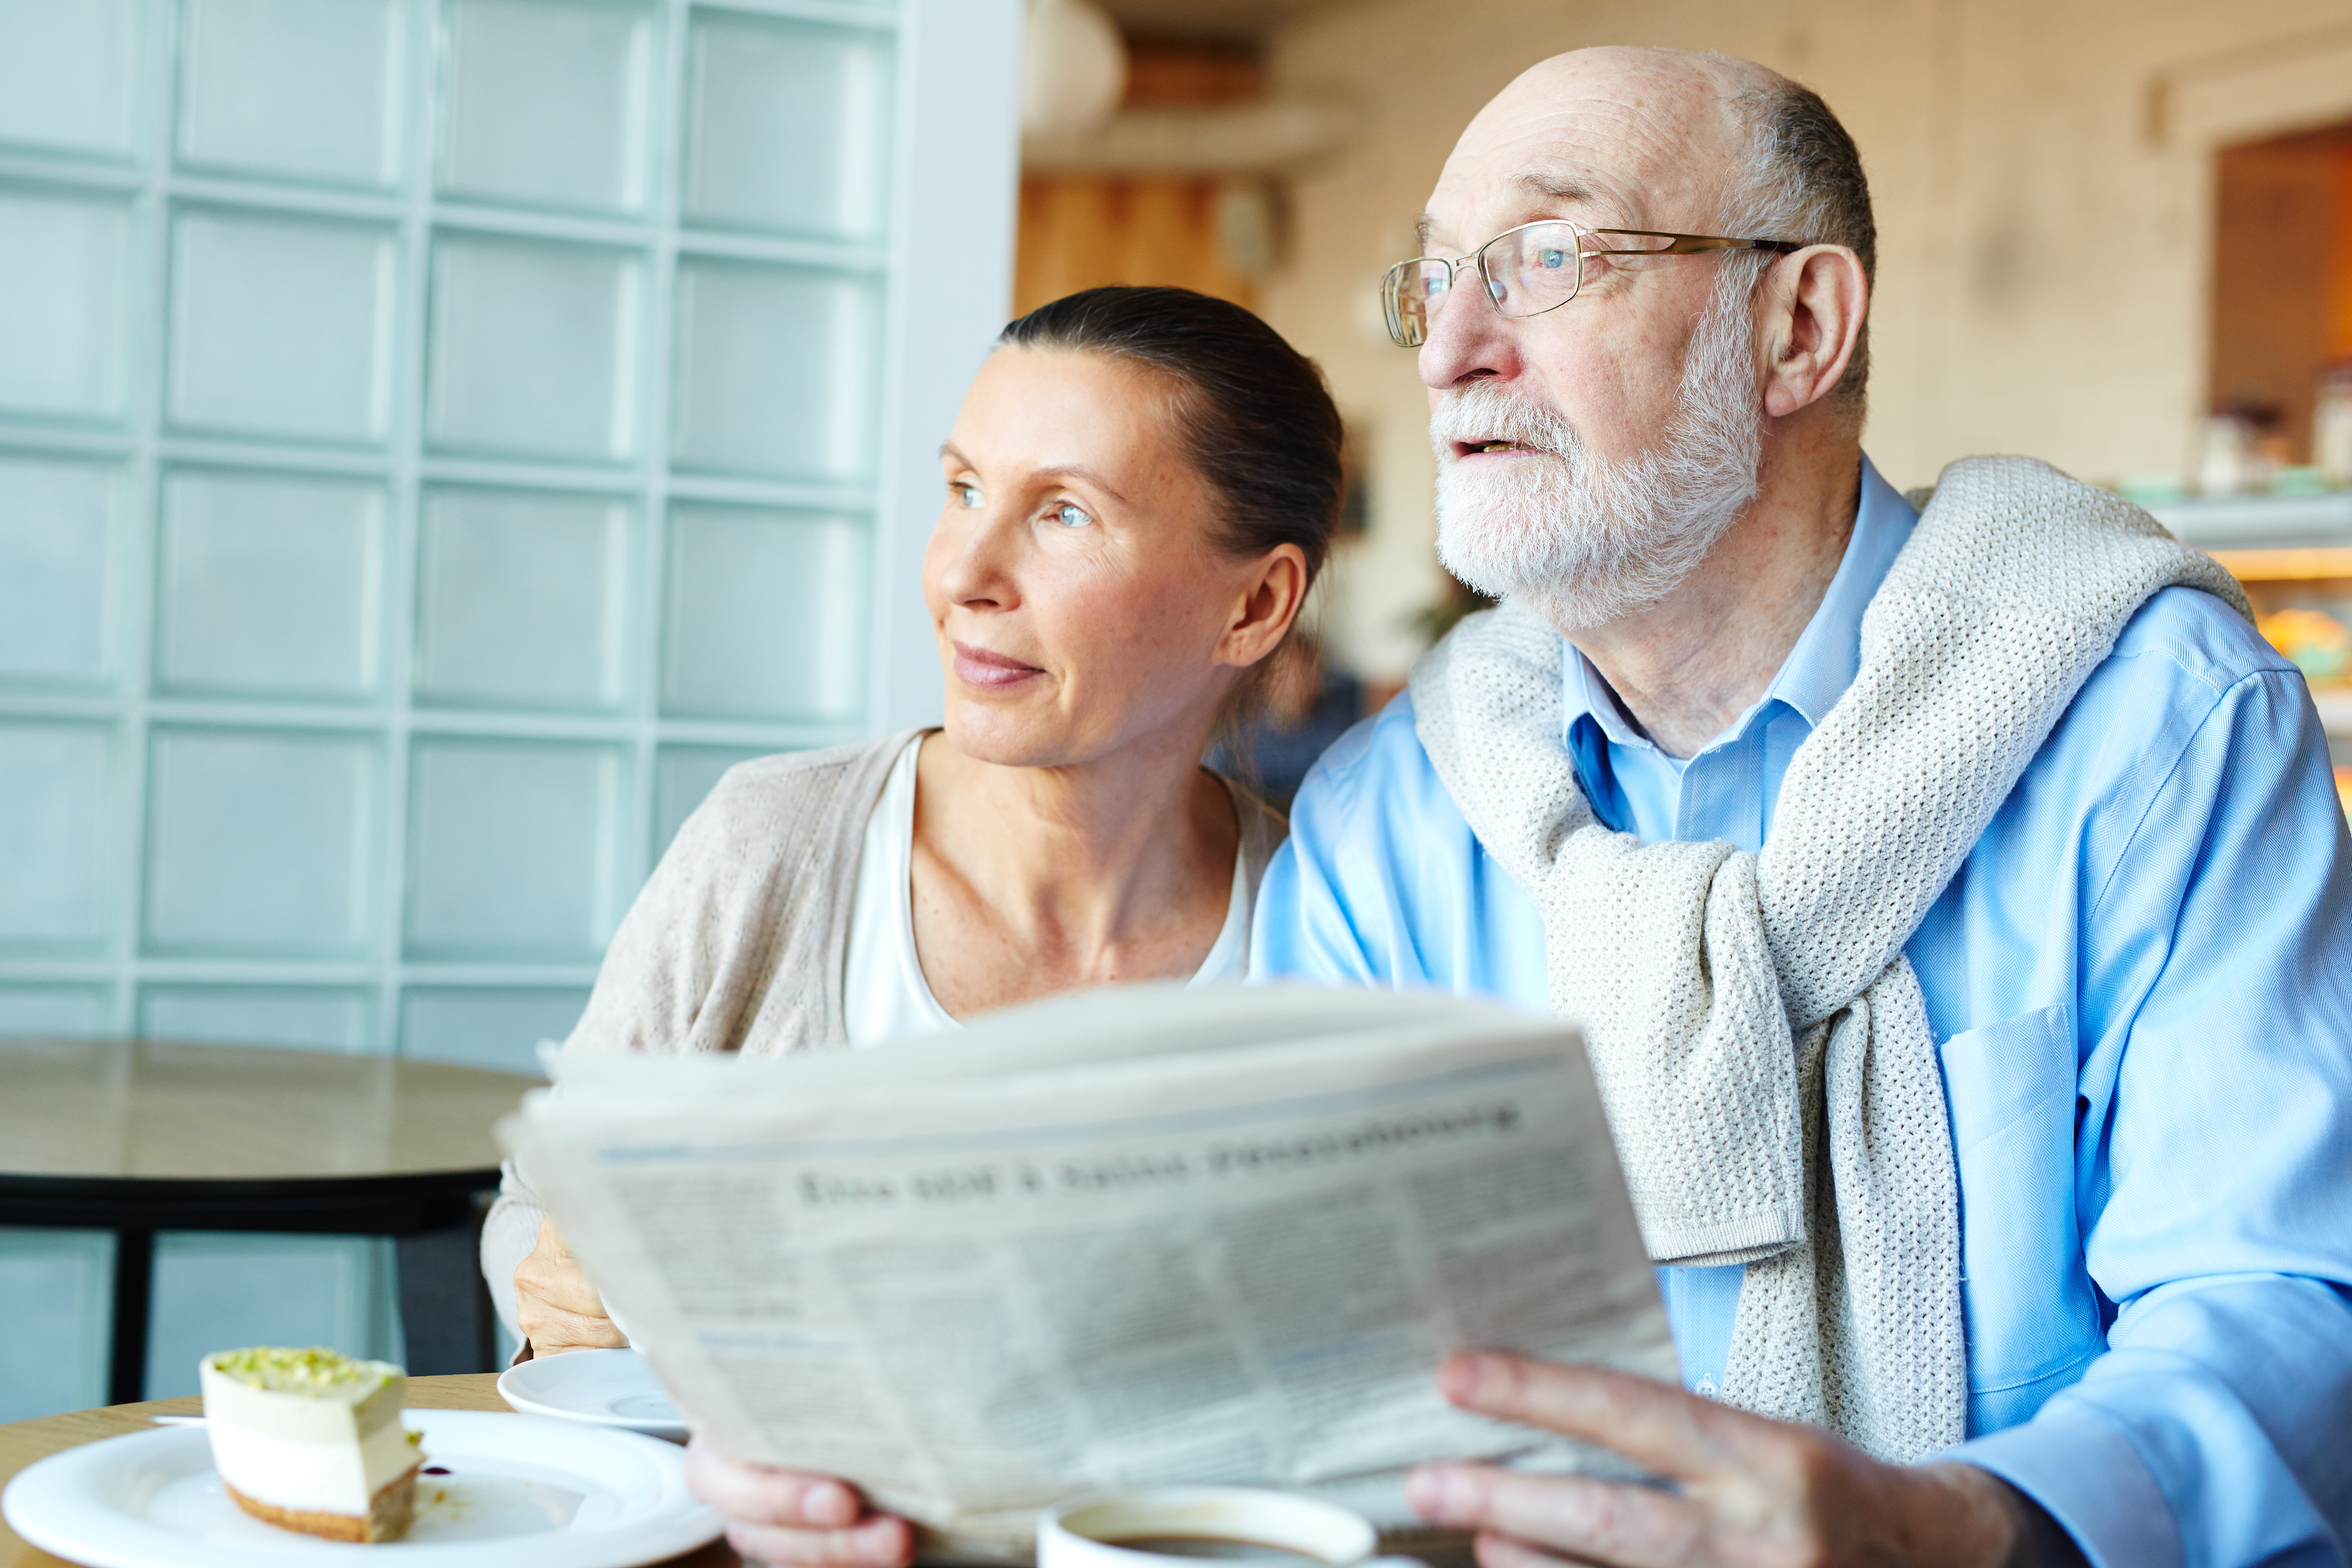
<point x="1529" y="269"/>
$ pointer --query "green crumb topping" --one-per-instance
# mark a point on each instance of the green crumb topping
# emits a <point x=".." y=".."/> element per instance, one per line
<point x="312" y="1371"/>
<point x="415" y="1439"/>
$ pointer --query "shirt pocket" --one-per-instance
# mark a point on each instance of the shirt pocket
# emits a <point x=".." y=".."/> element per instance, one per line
<point x="2032" y="1316"/>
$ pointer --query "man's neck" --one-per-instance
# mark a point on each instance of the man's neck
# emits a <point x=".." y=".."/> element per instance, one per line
<point x="1687" y="667"/>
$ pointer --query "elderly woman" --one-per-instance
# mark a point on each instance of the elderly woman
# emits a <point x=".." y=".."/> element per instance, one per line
<point x="1138" y="491"/>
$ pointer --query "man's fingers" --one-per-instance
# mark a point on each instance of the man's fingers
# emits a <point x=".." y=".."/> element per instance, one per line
<point x="790" y="1517"/>
<point x="1570" y="1517"/>
<point x="1656" y="1425"/>
<point x="882" y="1541"/>
<point x="756" y="1494"/>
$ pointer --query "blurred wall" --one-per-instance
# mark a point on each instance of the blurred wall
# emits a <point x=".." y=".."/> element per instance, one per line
<point x="1088" y="230"/>
<point x="2282" y="279"/>
<point x="2043" y="171"/>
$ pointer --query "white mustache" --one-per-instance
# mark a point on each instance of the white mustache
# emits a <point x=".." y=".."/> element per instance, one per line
<point x="1479" y="413"/>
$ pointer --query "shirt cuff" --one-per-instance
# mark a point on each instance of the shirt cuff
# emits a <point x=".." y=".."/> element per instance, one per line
<point x="2086" y="1475"/>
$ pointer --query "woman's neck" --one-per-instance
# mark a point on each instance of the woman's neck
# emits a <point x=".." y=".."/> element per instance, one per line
<point x="1029" y="882"/>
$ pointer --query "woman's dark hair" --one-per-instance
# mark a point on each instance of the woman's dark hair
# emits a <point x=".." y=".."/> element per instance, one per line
<point x="1257" y="423"/>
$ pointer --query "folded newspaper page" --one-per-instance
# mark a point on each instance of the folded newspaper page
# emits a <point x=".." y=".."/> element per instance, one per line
<point x="1144" y="1235"/>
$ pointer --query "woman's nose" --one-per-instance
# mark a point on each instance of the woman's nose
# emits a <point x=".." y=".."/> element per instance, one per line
<point x="979" y="569"/>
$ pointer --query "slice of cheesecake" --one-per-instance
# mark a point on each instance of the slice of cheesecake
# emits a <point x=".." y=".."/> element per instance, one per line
<point x="310" y="1440"/>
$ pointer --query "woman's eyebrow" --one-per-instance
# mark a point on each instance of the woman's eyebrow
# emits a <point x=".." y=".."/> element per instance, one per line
<point x="1065" y="470"/>
<point x="1080" y="472"/>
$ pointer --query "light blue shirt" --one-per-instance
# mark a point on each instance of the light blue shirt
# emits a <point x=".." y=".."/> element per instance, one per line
<point x="2140" y="984"/>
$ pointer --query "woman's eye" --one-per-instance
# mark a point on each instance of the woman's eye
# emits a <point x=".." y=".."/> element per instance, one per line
<point x="968" y="497"/>
<point x="1550" y="257"/>
<point x="1069" y="516"/>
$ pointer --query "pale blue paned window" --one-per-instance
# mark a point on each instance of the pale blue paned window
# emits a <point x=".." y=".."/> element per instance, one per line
<point x="271" y="1289"/>
<point x="67" y="1010"/>
<point x="64" y="533"/>
<point x="53" y="1288"/>
<point x="682" y="776"/>
<point x="437" y="440"/>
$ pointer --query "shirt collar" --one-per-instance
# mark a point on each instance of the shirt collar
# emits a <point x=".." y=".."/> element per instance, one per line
<point x="1828" y="652"/>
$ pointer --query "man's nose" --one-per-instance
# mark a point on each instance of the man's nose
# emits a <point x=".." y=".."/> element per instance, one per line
<point x="1467" y="336"/>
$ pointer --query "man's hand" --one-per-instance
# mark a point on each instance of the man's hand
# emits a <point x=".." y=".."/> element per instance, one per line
<point x="1748" y="1491"/>
<point x="556" y="1307"/>
<point x="790" y="1517"/>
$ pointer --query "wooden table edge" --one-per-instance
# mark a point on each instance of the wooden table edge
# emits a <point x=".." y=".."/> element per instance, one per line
<point x="24" y="1442"/>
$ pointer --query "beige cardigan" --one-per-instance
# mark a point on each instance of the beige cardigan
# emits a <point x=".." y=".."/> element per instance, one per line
<point x="740" y="939"/>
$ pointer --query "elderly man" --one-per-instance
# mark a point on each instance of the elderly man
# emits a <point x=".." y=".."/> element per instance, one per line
<point x="1955" y="904"/>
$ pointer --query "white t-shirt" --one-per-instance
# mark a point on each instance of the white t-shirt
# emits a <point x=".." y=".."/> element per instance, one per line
<point x="884" y="992"/>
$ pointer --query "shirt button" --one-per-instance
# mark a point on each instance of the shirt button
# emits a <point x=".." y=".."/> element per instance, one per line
<point x="1705" y="1388"/>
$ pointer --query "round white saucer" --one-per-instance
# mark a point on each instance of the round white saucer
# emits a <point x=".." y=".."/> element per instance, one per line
<point x="609" y="1388"/>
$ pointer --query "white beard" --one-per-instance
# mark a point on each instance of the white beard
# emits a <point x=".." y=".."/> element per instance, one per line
<point x="1586" y="541"/>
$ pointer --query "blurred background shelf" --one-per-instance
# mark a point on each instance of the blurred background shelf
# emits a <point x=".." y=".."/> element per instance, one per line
<point x="2262" y="522"/>
<point x="2293" y="553"/>
<point x="2335" y="712"/>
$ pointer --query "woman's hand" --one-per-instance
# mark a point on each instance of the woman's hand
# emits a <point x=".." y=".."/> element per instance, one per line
<point x="1749" y="1492"/>
<point x="794" y="1519"/>
<point x="555" y="1306"/>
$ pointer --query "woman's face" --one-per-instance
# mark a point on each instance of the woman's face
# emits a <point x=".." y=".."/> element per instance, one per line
<point x="1080" y="601"/>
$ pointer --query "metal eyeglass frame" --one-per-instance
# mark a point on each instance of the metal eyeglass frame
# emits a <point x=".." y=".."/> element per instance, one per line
<point x="1391" y="283"/>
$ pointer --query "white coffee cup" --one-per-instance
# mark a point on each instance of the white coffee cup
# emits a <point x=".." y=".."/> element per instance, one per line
<point x="1156" y="1527"/>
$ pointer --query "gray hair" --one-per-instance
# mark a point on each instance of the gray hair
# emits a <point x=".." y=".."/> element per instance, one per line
<point x="1802" y="179"/>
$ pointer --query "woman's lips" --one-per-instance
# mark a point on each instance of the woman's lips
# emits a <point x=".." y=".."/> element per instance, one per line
<point x="985" y="667"/>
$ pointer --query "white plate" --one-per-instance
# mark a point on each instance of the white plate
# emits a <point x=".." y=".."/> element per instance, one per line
<point x="586" y="1496"/>
<point x="610" y="1388"/>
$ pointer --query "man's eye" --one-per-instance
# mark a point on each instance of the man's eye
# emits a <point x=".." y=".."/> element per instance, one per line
<point x="1069" y="516"/>
<point x="968" y="497"/>
<point x="1551" y="258"/>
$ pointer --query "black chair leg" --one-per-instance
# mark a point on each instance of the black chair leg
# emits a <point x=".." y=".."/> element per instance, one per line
<point x="134" y="1288"/>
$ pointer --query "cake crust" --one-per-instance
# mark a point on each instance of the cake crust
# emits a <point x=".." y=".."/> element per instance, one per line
<point x="389" y="1514"/>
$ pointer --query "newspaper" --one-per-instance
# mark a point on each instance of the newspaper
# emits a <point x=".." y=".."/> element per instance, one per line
<point x="1143" y="1235"/>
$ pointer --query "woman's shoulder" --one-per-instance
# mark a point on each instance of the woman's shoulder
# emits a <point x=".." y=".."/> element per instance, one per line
<point x="733" y="943"/>
<point x="793" y="792"/>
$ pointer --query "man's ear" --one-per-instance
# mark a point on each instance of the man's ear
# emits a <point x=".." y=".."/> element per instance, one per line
<point x="1270" y="602"/>
<point x="1816" y="300"/>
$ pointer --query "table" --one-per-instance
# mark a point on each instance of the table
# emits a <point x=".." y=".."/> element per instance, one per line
<point x="23" y="1442"/>
<point x="138" y="1136"/>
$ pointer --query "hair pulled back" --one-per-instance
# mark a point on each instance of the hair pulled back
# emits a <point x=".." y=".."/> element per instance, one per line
<point x="1252" y="412"/>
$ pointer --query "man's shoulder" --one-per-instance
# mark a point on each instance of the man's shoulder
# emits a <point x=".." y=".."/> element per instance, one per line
<point x="1378" y="741"/>
<point x="1377" y="770"/>
<point x="2187" y="639"/>
<point x="2187" y="676"/>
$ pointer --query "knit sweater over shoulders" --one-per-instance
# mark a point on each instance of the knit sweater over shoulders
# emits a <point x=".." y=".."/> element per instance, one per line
<point x="740" y="939"/>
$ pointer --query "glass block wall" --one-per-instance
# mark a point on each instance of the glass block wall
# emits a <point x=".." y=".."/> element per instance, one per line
<point x="438" y="438"/>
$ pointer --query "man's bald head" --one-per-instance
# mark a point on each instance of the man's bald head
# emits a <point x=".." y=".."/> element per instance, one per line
<point x="1652" y="127"/>
<point x="1664" y="139"/>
